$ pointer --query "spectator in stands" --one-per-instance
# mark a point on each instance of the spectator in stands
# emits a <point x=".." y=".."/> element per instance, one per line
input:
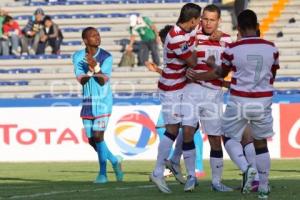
<point x="32" y="32"/>
<point x="51" y="36"/>
<point x="3" y="13"/>
<point x="12" y="34"/>
<point x="147" y="31"/>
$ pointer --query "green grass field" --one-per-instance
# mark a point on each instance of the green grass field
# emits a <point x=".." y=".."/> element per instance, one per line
<point x="75" y="181"/>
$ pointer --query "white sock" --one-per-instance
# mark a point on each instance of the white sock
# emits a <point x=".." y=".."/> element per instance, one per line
<point x="235" y="151"/>
<point x="189" y="157"/>
<point x="263" y="163"/>
<point x="216" y="165"/>
<point x="251" y="157"/>
<point x="164" y="149"/>
<point x="178" y="149"/>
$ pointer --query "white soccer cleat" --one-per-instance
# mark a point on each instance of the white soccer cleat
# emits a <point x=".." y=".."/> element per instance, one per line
<point x="248" y="178"/>
<point x="176" y="171"/>
<point x="190" y="184"/>
<point x="220" y="187"/>
<point x="160" y="183"/>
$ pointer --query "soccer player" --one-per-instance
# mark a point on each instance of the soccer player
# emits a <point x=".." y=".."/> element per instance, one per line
<point x="205" y="98"/>
<point x="92" y="67"/>
<point x="178" y="53"/>
<point x="254" y="62"/>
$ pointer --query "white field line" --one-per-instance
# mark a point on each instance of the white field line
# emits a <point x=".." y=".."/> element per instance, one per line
<point x="72" y="191"/>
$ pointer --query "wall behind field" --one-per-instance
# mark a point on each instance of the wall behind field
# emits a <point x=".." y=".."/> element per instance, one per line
<point x="36" y="131"/>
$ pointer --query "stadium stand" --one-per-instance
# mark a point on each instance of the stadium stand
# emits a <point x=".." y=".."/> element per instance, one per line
<point x="43" y="76"/>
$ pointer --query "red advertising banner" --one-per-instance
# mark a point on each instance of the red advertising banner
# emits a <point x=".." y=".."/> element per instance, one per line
<point x="290" y="130"/>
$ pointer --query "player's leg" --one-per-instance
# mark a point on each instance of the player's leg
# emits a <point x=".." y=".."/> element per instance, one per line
<point x="249" y="152"/>
<point x="189" y="123"/>
<point x="88" y="127"/>
<point x="233" y="125"/>
<point x="99" y="128"/>
<point x="171" y="105"/>
<point x="261" y="130"/>
<point x="189" y="156"/>
<point x="173" y="163"/>
<point x="210" y="117"/>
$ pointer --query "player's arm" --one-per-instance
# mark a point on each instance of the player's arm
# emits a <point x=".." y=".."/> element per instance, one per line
<point x="275" y="65"/>
<point x="206" y="76"/>
<point x="184" y="52"/>
<point x="80" y="73"/>
<point x="104" y="74"/>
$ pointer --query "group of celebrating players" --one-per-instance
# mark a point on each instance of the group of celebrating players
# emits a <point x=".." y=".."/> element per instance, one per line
<point x="197" y="57"/>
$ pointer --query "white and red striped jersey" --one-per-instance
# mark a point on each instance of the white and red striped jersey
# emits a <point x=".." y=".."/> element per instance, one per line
<point x="178" y="46"/>
<point x="253" y="61"/>
<point x="206" y="48"/>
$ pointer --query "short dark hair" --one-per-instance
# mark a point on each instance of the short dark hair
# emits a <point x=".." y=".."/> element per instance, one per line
<point x="247" y="19"/>
<point x="164" y="32"/>
<point x="7" y="19"/>
<point x="188" y="12"/>
<point x="85" y="31"/>
<point x="46" y="18"/>
<point x="213" y="8"/>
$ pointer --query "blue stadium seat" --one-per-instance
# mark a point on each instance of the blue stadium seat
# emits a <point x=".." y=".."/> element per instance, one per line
<point x="33" y="70"/>
<point x="286" y="79"/>
<point x="71" y="43"/>
<point x="3" y="71"/>
<point x="99" y="15"/>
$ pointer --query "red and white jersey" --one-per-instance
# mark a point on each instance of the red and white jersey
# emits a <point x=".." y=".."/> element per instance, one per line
<point x="253" y="61"/>
<point x="178" y="46"/>
<point x="206" y="48"/>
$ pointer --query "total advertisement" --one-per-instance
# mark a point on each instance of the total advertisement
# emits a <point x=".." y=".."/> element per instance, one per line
<point x="57" y="134"/>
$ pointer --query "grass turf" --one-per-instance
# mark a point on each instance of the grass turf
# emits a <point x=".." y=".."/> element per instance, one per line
<point x="75" y="181"/>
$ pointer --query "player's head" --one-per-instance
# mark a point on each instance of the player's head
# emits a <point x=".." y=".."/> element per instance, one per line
<point x="211" y="18"/>
<point x="164" y="32"/>
<point x="91" y="37"/>
<point x="190" y="15"/>
<point x="247" y="21"/>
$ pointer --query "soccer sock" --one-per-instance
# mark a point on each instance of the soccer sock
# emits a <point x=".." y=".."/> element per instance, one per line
<point x="216" y="164"/>
<point x="189" y="156"/>
<point x="164" y="149"/>
<point x="263" y="167"/>
<point x="250" y="155"/>
<point x="112" y="158"/>
<point x="235" y="151"/>
<point x="178" y="149"/>
<point x="102" y="156"/>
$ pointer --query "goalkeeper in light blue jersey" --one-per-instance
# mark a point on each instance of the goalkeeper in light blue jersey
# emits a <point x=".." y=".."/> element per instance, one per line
<point x="92" y="67"/>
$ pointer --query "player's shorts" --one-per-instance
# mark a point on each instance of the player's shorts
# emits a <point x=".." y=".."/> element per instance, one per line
<point x="171" y="106"/>
<point x="98" y="124"/>
<point x="240" y="111"/>
<point x="206" y="104"/>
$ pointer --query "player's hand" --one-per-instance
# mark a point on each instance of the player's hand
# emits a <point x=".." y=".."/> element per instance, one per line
<point x="216" y="36"/>
<point x="191" y="74"/>
<point x="91" y="61"/>
<point x="211" y="61"/>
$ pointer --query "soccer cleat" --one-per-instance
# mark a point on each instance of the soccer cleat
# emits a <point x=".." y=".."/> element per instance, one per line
<point x="248" y="177"/>
<point x="263" y="194"/>
<point x="190" y="184"/>
<point x="101" y="179"/>
<point x="220" y="187"/>
<point x="160" y="183"/>
<point x="118" y="169"/>
<point x="255" y="185"/>
<point x="176" y="171"/>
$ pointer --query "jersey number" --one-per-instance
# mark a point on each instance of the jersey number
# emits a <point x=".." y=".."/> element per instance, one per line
<point x="259" y="63"/>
